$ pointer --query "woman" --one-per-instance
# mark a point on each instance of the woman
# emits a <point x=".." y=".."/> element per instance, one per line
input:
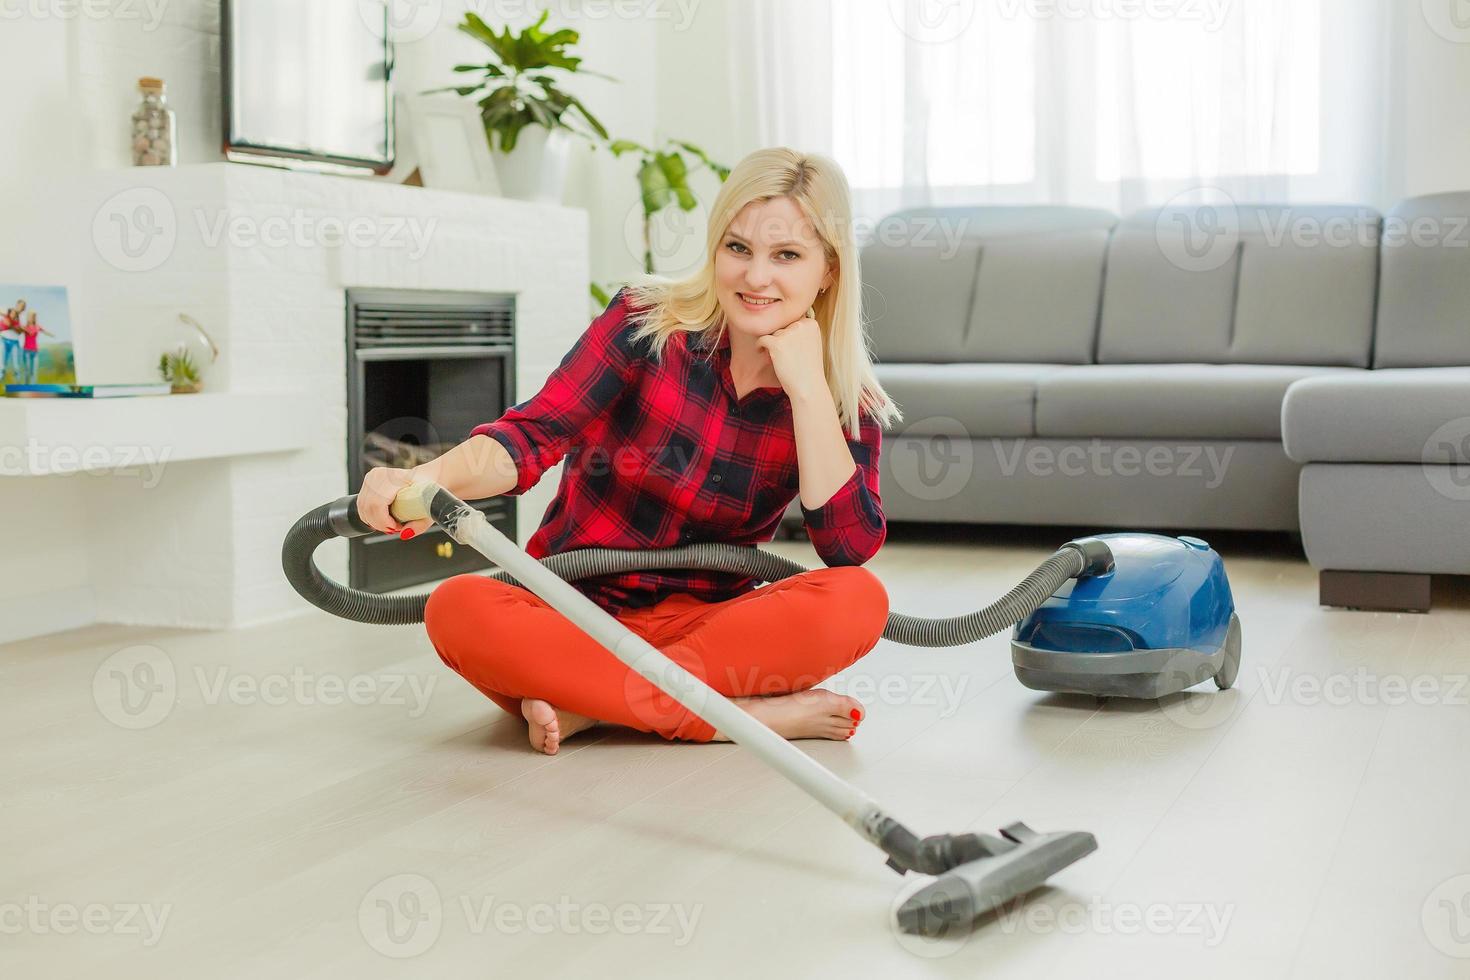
<point x="32" y="349"/>
<point x="10" y="335"/>
<point x="691" y="410"/>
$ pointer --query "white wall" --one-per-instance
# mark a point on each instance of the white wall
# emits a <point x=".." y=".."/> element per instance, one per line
<point x="1432" y="104"/>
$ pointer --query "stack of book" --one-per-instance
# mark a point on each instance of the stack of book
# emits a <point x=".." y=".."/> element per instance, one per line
<point x="86" y="391"/>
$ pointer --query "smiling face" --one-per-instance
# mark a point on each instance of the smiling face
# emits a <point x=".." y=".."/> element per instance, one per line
<point x="769" y="267"/>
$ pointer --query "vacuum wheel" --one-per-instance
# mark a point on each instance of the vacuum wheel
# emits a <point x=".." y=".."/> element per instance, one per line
<point x="1225" y="677"/>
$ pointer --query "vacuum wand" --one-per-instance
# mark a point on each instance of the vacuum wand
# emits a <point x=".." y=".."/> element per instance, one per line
<point x="977" y="872"/>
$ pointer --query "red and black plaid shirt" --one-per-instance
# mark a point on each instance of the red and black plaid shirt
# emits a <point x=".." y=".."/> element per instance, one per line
<point x="662" y="454"/>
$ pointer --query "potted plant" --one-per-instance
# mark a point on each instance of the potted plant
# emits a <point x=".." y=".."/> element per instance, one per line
<point x="528" y="118"/>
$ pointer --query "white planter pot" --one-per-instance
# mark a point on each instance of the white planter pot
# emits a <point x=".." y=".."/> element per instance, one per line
<point x="536" y="170"/>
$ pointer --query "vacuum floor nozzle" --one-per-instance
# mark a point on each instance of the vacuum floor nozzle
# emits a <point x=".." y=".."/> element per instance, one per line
<point x="1020" y="861"/>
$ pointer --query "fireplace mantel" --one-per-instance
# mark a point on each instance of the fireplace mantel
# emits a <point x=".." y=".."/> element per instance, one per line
<point x="262" y="257"/>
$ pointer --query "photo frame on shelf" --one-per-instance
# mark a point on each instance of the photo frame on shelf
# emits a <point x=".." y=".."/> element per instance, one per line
<point x="36" y="334"/>
<point x="450" y="144"/>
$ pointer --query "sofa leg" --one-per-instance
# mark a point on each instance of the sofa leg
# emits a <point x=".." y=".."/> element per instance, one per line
<point x="1390" y="591"/>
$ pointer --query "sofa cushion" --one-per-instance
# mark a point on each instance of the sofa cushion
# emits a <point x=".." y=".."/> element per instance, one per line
<point x="1192" y="401"/>
<point x="987" y="400"/>
<point x="1243" y="285"/>
<point x="1036" y="297"/>
<point x="917" y="300"/>
<point x="1394" y="416"/>
<point x="1034" y="280"/>
<point x="1424" y="298"/>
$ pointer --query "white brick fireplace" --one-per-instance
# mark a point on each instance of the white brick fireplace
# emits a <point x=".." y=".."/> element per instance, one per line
<point x="262" y="259"/>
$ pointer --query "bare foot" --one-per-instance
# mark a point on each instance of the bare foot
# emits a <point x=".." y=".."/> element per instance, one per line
<point x="549" y="725"/>
<point x="804" y="714"/>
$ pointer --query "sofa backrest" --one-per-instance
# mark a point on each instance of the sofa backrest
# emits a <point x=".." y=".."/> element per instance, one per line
<point x="989" y="283"/>
<point x="1257" y="284"/>
<point x="1424" y="290"/>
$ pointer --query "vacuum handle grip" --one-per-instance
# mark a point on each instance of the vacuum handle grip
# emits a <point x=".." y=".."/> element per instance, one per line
<point x="412" y="502"/>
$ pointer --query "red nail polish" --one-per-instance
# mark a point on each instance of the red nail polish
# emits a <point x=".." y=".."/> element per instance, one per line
<point x="405" y="534"/>
<point x="856" y="715"/>
<point x="849" y="734"/>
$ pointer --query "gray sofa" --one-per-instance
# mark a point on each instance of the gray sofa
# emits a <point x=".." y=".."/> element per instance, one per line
<point x="1181" y="369"/>
<point x="1385" y="454"/>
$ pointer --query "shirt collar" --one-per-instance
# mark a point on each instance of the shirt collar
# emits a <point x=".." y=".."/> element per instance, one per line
<point x="720" y="348"/>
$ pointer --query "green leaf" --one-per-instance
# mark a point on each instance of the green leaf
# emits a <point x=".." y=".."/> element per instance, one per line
<point x="619" y="147"/>
<point x="722" y="171"/>
<point x="654" y="185"/>
<point x="592" y="121"/>
<point x="489" y="68"/>
<point x="480" y="31"/>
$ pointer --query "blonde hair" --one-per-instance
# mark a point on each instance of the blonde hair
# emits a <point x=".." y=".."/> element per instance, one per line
<point x="817" y="186"/>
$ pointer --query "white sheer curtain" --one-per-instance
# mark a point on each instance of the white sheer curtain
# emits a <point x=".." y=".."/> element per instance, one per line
<point x="1107" y="103"/>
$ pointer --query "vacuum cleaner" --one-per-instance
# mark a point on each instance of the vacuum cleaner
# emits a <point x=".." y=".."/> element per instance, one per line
<point x="1130" y="615"/>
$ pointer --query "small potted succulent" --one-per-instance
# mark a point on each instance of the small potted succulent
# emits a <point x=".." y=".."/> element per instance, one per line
<point x="184" y="367"/>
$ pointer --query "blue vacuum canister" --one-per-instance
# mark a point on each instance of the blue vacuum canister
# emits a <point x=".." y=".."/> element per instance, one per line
<point x="1161" y="620"/>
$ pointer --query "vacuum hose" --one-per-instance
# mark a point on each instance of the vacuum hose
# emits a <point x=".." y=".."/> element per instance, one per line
<point x="1084" y="556"/>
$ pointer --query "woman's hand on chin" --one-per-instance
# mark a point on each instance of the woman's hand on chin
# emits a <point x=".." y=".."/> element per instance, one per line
<point x="796" y="354"/>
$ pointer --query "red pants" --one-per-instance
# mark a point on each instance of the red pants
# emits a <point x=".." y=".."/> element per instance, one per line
<point x="782" y="637"/>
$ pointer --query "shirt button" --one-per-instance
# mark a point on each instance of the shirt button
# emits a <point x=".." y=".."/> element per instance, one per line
<point x="717" y="478"/>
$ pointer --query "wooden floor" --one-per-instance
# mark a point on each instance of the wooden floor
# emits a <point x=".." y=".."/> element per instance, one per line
<point x="316" y="798"/>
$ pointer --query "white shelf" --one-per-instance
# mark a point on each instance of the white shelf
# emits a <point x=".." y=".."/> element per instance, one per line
<point x="49" y="436"/>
